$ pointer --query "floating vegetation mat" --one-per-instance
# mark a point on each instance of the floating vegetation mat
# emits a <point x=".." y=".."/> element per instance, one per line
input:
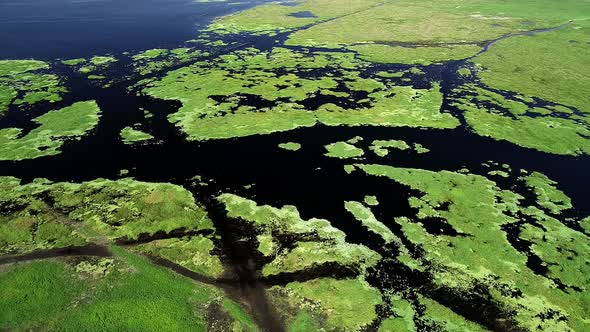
<point x="319" y="165"/>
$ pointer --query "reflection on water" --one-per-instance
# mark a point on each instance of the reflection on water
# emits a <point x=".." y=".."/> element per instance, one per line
<point x="49" y="29"/>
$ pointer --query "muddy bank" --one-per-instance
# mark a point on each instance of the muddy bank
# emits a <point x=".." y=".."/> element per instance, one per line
<point x="94" y="250"/>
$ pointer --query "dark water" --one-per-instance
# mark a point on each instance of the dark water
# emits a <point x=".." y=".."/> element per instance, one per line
<point x="49" y="29"/>
<point x="304" y="14"/>
<point x="88" y="250"/>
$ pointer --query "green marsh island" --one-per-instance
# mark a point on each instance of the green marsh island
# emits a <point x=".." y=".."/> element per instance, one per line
<point x="307" y="165"/>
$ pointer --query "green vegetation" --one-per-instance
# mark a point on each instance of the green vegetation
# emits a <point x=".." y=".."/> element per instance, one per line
<point x="406" y="32"/>
<point x="491" y="114"/>
<point x="497" y="250"/>
<point x="96" y="77"/>
<point x="441" y="316"/>
<point x="380" y="147"/>
<point x="150" y="61"/>
<point x="435" y="23"/>
<point x="395" y="106"/>
<point x="266" y="244"/>
<point x="194" y="253"/>
<point x="130" y="135"/>
<point x="25" y="82"/>
<point x="548" y="196"/>
<point x="420" y="149"/>
<point x="271" y="18"/>
<point x="92" y="66"/>
<point x="366" y="217"/>
<point x="33" y="294"/>
<point x="316" y="242"/>
<point x="371" y="200"/>
<point x="232" y="77"/>
<point x="422" y="55"/>
<point x="546" y="66"/>
<point x="465" y="72"/>
<point x="239" y="318"/>
<point x="42" y="214"/>
<point x="319" y="302"/>
<point x="477" y="209"/>
<point x="150" y="54"/>
<point x="74" y="62"/>
<point x="343" y="150"/>
<point x="585" y="223"/>
<point x="403" y="316"/>
<point x="55" y="127"/>
<point x="291" y="146"/>
<point x="526" y="66"/>
<point x="499" y="173"/>
<point x="102" y="60"/>
<point x="167" y="300"/>
<point x="134" y="294"/>
<point x="563" y="250"/>
<point x="547" y="134"/>
<point x="311" y="254"/>
<point x="387" y="74"/>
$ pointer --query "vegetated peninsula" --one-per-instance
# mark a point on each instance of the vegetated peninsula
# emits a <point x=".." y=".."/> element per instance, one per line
<point x="305" y="166"/>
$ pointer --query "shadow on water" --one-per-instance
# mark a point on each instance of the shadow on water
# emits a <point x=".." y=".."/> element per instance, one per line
<point x="87" y="250"/>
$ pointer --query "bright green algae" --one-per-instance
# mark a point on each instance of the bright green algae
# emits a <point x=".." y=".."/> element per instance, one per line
<point x="74" y="62"/>
<point x="55" y="127"/>
<point x="154" y="60"/>
<point x="290" y="146"/>
<point x="437" y="31"/>
<point x="548" y="196"/>
<point x="381" y="147"/>
<point x="343" y="150"/>
<point x="92" y="66"/>
<point x="439" y="315"/>
<point x="371" y="200"/>
<point x="253" y="74"/>
<point x="491" y="114"/>
<point x="326" y="245"/>
<point x="310" y="305"/>
<point x="27" y="82"/>
<point x="367" y="218"/>
<point x="130" y="135"/>
<point x="193" y="253"/>
<point x="311" y="244"/>
<point x="526" y="66"/>
<point x="150" y="54"/>
<point x="73" y="214"/>
<point x="479" y="212"/>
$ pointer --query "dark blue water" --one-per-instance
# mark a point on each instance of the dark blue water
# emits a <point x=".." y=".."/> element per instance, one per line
<point x="48" y="29"/>
<point x="305" y="14"/>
